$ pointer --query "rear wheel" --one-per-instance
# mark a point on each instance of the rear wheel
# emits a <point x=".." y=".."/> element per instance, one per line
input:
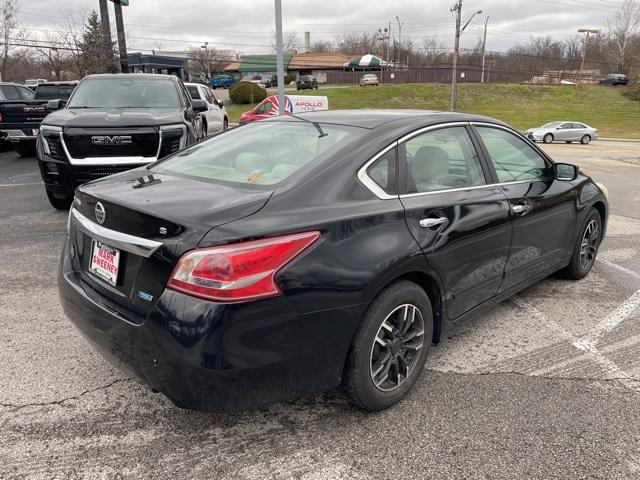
<point x="225" y="124"/>
<point x="26" y="149"/>
<point x="568" y="141"/>
<point x="390" y="347"/>
<point x="586" y="248"/>
<point x="585" y="139"/>
<point x="63" y="203"/>
<point x="548" y="138"/>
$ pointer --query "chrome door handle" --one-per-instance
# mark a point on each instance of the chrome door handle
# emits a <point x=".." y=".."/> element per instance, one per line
<point x="433" y="222"/>
<point x="521" y="208"/>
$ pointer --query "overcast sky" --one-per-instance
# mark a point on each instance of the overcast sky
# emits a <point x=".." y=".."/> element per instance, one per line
<point x="246" y="25"/>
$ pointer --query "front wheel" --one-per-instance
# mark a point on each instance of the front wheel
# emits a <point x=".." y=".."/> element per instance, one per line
<point x="548" y="138"/>
<point x="63" y="203"/>
<point x="586" y="248"/>
<point x="390" y="348"/>
<point x="585" y="140"/>
<point x="225" y="124"/>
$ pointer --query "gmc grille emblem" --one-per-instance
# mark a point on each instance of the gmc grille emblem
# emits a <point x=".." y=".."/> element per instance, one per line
<point x="115" y="140"/>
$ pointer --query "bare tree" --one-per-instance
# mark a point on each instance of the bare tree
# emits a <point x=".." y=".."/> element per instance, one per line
<point x="202" y="61"/>
<point x="9" y="26"/>
<point x="322" y="46"/>
<point x="290" y="42"/>
<point x="624" y="33"/>
<point x="55" y="59"/>
<point x="356" y="43"/>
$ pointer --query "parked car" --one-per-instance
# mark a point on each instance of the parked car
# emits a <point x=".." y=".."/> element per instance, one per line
<point x="32" y="83"/>
<point x="55" y="90"/>
<point x="369" y="79"/>
<point x="215" y="118"/>
<point x="293" y="104"/>
<point x="287" y="257"/>
<point x="258" y="80"/>
<point x="614" y="79"/>
<point x="222" y="81"/>
<point x="20" y="117"/>
<point x="306" y="82"/>
<point x="113" y="123"/>
<point x="562" y="131"/>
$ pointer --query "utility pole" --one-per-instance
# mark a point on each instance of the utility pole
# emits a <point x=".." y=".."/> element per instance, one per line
<point x="457" y="8"/>
<point x="279" y="58"/>
<point x="106" y="32"/>
<point x="122" y="43"/>
<point x="399" y="56"/>
<point x="389" y="45"/>
<point x="382" y="35"/>
<point x="586" y="45"/>
<point x="484" y="48"/>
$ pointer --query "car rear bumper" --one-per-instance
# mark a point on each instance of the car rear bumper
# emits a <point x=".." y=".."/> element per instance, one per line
<point x="210" y="356"/>
<point x="19" y="135"/>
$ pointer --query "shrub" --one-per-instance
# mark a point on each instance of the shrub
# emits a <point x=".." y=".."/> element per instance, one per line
<point x="247" y="92"/>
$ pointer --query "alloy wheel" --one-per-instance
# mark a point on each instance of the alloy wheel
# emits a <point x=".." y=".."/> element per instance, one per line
<point x="589" y="245"/>
<point x="396" y="348"/>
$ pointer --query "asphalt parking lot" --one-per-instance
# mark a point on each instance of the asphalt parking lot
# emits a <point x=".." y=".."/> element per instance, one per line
<point x="546" y="385"/>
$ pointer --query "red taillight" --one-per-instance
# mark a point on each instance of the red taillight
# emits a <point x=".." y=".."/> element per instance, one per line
<point x="240" y="271"/>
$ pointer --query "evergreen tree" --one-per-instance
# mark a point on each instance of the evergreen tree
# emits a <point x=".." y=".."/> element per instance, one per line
<point x="94" y="57"/>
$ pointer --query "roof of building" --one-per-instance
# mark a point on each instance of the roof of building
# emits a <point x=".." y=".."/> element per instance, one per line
<point x="258" y="63"/>
<point x="318" y="61"/>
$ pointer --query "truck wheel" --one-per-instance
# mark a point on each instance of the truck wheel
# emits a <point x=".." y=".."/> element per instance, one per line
<point x="26" y="149"/>
<point x="59" y="203"/>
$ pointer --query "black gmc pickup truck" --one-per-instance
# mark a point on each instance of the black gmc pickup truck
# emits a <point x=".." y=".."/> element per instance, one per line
<point x="22" y="111"/>
<point x="113" y="123"/>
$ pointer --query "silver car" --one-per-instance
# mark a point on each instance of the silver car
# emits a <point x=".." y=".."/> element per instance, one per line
<point x="562" y="131"/>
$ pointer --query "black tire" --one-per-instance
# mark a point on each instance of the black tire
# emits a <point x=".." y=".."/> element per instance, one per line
<point x="568" y="141"/>
<point x="388" y="308"/>
<point x="59" y="203"/>
<point x="203" y="131"/>
<point x="585" y="139"/>
<point x="225" y="124"/>
<point x="26" y="149"/>
<point x="580" y="266"/>
<point x="548" y="138"/>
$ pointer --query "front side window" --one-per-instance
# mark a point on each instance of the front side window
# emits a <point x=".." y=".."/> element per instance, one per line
<point x="263" y="153"/>
<point x="442" y="160"/>
<point x="513" y="159"/>
<point x="127" y="92"/>
<point x="26" y="93"/>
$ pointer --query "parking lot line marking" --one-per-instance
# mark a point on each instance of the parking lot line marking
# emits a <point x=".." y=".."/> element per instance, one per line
<point x="620" y="268"/>
<point x="19" y="184"/>
<point x="612" y="320"/>
<point x="611" y="368"/>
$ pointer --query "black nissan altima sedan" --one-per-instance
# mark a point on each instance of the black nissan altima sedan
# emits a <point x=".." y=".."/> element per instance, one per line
<point x="305" y="252"/>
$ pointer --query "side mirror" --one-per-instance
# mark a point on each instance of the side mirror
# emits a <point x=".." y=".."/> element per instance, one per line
<point x="220" y="103"/>
<point x="566" y="171"/>
<point x="56" y="104"/>
<point x="199" y="106"/>
<point x="557" y="128"/>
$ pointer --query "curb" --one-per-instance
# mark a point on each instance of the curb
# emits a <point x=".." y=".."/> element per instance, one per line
<point x="630" y="140"/>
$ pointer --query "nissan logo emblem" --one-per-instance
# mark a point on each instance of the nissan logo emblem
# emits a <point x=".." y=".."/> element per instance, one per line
<point x="101" y="214"/>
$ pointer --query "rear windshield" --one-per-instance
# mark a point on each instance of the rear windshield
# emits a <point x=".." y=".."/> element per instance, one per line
<point x="54" y="92"/>
<point x="125" y="92"/>
<point x="261" y="153"/>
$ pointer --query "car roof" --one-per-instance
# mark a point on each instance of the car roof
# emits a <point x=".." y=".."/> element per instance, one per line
<point x="158" y="76"/>
<point x="373" y="118"/>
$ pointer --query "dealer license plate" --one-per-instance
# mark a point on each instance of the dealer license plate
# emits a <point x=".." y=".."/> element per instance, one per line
<point x="104" y="262"/>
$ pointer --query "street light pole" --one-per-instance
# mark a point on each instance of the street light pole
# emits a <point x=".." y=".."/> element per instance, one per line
<point x="586" y="45"/>
<point x="206" y="52"/>
<point x="280" y="58"/>
<point x="122" y="43"/>
<point x="457" y="8"/>
<point x="484" y="48"/>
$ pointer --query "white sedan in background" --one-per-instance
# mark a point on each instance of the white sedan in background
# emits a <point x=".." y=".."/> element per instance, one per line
<point x="213" y="120"/>
<point x="562" y="131"/>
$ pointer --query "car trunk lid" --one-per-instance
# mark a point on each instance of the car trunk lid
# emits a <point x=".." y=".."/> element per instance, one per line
<point x="142" y="223"/>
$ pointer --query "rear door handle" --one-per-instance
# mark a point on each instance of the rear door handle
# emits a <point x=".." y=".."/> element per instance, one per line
<point x="433" y="222"/>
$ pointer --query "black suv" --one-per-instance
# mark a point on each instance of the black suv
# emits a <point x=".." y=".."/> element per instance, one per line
<point x="113" y="123"/>
<point x="306" y="82"/>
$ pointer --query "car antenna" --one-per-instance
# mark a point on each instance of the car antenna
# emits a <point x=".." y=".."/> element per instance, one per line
<point x="321" y="132"/>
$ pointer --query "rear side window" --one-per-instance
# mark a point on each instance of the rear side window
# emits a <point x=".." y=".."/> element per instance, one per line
<point x="513" y="159"/>
<point x="442" y="160"/>
<point x="383" y="172"/>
